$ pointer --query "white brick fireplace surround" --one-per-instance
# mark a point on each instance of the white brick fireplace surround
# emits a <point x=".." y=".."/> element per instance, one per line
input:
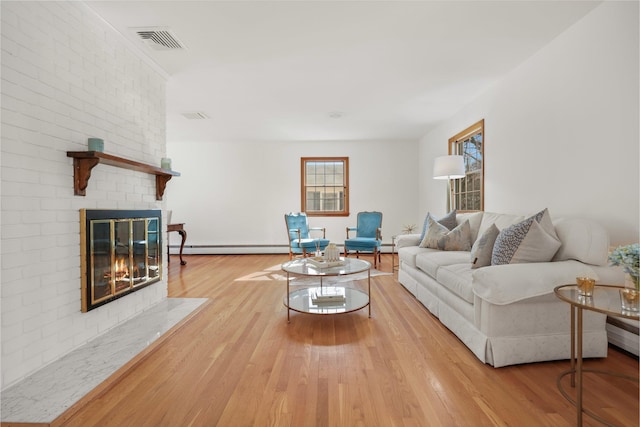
<point x="67" y="76"/>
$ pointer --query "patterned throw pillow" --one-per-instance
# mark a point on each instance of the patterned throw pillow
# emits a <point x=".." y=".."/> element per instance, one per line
<point x="434" y="232"/>
<point x="458" y="239"/>
<point x="483" y="248"/>
<point x="532" y="240"/>
<point x="449" y="221"/>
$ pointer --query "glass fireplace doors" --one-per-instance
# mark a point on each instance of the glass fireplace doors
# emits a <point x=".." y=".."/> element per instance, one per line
<point x="122" y="253"/>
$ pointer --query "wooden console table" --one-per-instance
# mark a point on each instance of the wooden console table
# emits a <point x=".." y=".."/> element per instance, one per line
<point x="183" y="233"/>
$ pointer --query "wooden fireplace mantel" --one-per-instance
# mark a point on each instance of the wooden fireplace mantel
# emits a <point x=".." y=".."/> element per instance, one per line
<point x="85" y="161"/>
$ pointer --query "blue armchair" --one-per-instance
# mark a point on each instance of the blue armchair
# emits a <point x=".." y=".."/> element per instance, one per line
<point x="368" y="236"/>
<point x="300" y="240"/>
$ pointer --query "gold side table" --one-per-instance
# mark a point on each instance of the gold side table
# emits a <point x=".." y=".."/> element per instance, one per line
<point x="606" y="300"/>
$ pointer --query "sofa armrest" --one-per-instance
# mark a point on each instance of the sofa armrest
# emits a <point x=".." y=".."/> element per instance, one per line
<point x="506" y="284"/>
<point x="404" y="240"/>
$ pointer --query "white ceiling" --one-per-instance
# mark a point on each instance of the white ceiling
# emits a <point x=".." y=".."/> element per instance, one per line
<point x="266" y="70"/>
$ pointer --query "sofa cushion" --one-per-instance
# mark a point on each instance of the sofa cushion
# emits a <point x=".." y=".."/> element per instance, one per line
<point x="429" y="262"/>
<point x="457" y="278"/>
<point x="483" y="248"/>
<point x="532" y="240"/>
<point x="582" y="240"/>
<point x="500" y="220"/>
<point x="458" y="239"/>
<point x="407" y="255"/>
<point x="449" y="221"/>
<point x="474" y="218"/>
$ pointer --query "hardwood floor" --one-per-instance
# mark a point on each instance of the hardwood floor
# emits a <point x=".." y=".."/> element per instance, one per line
<point x="238" y="363"/>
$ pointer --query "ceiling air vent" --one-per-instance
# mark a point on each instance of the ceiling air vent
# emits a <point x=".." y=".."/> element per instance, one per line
<point x="159" y="38"/>
<point x="195" y="115"/>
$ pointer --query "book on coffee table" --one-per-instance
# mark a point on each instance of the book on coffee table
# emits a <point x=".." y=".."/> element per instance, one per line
<point x="328" y="296"/>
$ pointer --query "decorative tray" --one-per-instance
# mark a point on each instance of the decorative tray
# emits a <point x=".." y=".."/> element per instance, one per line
<point x="320" y="262"/>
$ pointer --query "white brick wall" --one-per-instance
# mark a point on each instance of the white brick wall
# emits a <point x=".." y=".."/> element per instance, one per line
<point x="66" y="76"/>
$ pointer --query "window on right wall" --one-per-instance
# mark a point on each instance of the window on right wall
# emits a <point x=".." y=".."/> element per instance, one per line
<point x="468" y="192"/>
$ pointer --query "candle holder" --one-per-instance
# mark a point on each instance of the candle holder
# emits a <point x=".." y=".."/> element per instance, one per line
<point x="585" y="286"/>
<point x="630" y="299"/>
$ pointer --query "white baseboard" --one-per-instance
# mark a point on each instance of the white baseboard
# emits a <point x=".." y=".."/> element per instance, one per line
<point x="239" y="249"/>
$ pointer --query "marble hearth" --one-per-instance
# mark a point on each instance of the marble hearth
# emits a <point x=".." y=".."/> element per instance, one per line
<point x="46" y="394"/>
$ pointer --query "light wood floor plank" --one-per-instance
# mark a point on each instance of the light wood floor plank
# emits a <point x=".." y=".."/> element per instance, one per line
<point x="239" y="363"/>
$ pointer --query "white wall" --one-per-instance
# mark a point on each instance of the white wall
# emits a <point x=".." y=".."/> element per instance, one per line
<point x="66" y="76"/>
<point x="561" y="130"/>
<point x="233" y="194"/>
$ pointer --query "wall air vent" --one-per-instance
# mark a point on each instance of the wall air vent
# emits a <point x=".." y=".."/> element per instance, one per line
<point x="159" y="38"/>
<point x="196" y="115"/>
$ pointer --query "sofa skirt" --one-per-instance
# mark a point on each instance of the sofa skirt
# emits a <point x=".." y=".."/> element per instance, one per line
<point x="532" y="330"/>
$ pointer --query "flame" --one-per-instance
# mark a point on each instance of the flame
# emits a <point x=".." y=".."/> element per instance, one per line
<point x="121" y="269"/>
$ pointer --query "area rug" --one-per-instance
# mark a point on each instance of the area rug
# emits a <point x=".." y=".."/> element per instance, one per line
<point x="275" y="273"/>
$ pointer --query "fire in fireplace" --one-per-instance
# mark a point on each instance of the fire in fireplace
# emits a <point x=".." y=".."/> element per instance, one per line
<point x="121" y="253"/>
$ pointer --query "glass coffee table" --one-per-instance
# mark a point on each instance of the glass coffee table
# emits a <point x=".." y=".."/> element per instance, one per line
<point x="301" y="299"/>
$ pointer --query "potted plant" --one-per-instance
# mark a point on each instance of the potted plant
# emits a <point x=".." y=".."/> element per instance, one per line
<point x="628" y="257"/>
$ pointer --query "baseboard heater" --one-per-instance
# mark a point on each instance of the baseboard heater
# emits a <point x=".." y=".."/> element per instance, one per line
<point x="623" y="334"/>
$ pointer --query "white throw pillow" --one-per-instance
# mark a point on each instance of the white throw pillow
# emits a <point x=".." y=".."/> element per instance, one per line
<point x="537" y="246"/>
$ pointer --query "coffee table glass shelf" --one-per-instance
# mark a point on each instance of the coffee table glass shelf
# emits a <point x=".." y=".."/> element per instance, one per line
<point x="303" y="299"/>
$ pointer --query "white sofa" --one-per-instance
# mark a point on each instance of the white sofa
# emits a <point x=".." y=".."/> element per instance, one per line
<point x="508" y="314"/>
